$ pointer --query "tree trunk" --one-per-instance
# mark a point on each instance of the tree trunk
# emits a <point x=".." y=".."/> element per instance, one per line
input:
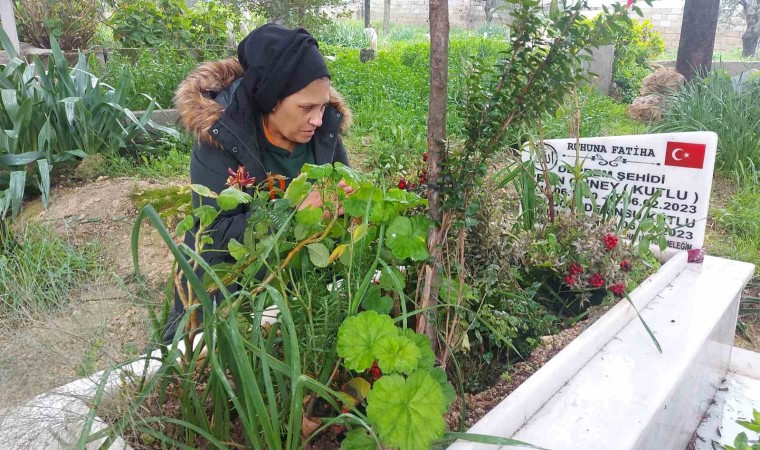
<point x="386" y="17"/>
<point x="752" y="33"/>
<point x="439" y="67"/>
<point x="695" y="48"/>
<point x="366" y="13"/>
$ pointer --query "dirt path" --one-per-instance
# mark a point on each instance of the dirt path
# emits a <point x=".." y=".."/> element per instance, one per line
<point x="105" y="322"/>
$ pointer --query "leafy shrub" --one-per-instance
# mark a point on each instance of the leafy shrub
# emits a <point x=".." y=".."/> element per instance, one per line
<point x="155" y="72"/>
<point x="713" y="104"/>
<point x="154" y="23"/>
<point x="73" y="22"/>
<point x="636" y="43"/>
<point x="57" y="114"/>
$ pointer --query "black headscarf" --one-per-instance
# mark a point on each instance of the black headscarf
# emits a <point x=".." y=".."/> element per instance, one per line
<point x="277" y="62"/>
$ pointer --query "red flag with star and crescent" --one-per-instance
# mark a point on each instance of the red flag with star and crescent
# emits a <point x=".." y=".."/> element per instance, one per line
<point x="684" y="154"/>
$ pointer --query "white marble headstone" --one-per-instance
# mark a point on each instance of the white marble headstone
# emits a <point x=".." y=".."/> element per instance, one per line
<point x="679" y="164"/>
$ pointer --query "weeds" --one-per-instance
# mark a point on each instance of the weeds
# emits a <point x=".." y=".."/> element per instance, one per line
<point x="40" y="273"/>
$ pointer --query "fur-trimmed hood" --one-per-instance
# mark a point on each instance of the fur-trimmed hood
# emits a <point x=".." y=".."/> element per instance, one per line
<point x="198" y="110"/>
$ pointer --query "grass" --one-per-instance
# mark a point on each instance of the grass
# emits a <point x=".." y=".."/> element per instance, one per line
<point x="732" y="54"/>
<point x="736" y="230"/>
<point x="39" y="275"/>
<point x="169" y="160"/>
<point x="712" y="104"/>
<point x="171" y="204"/>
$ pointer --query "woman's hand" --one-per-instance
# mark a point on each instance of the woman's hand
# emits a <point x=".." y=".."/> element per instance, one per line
<point x="315" y="199"/>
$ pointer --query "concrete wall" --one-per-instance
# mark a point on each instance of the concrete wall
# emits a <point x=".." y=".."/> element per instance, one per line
<point x="665" y="15"/>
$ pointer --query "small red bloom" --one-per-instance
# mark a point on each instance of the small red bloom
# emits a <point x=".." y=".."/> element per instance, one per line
<point x="575" y="269"/>
<point x="610" y="241"/>
<point x="570" y="280"/>
<point x="625" y="265"/>
<point x="618" y="289"/>
<point x="240" y="178"/>
<point x="374" y="371"/>
<point x="596" y="280"/>
<point x="425" y="156"/>
<point x="402" y="183"/>
<point x="412" y="185"/>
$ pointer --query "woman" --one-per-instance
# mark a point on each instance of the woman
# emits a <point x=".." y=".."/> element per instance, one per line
<point x="268" y="112"/>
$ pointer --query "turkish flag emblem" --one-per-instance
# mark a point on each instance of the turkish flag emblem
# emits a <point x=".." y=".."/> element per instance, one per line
<point x="684" y="154"/>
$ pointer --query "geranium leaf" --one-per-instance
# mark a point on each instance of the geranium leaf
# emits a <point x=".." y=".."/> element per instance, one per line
<point x="358" y="337"/>
<point x="407" y="237"/>
<point x="449" y="394"/>
<point x="231" y="198"/>
<point x="358" y="439"/>
<point x="184" y="226"/>
<point x="397" y="354"/>
<point x="427" y="357"/>
<point x="408" y="413"/>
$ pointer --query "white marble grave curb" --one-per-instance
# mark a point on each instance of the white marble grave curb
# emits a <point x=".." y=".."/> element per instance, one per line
<point x="611" y="389"/>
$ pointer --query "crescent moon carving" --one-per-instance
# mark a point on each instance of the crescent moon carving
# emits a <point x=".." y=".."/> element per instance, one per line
<point x="674" y="154"/>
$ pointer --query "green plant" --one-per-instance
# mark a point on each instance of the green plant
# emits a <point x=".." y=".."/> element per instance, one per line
<point x="310" y="373"/>
<point x="713" y="104"/>
<point x="742" y="442"/>
<point x="72" y="22"/>
<point x="169" y="159"/>
<point x="51" y="114"/>
<point x="38" y="274"/>
<point x="155" y="23"/>
<point x="636" y="43"/>
<point x="309" y="14"/>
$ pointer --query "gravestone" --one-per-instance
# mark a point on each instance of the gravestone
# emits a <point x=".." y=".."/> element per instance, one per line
<point x="678" y="165"/>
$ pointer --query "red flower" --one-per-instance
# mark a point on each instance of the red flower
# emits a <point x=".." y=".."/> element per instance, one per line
<point x="596" y="280"/>
<point x="402" y="183"/>
<point x="625" y="265"/>
<point x="425" y="156"/>
<point x="575" y="269"/>
<point x="374" y="371"/>
<point x="570" y="280"/>
<point x="618" y="289"/>
<point x="610" y="241"/>
<point x="412" y="185"/>
<point x="240" y="178"/>
<point x="270" y="185"/>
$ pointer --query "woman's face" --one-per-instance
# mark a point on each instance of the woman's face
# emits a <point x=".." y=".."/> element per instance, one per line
<point x="296" y="117"/>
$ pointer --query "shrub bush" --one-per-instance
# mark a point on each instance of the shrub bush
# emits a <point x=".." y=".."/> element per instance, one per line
<point x="636" y="43"/>
<point x="73" y="22"/>
<point x="56" y="114"/>
<point x="154" y="23"/>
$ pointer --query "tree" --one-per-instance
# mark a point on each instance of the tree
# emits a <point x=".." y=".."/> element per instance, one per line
<point x="310" y="14"/>
<point x="489" y="7"/>
<point x="386" y="16"/>
<point x="439" y="69"/>
<point x="695" y="49"/>
<point x="750" y="12"/>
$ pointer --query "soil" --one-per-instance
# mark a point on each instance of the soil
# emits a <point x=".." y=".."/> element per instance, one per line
<point x="103" y="323"/>
<point x="479" y="404"/>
